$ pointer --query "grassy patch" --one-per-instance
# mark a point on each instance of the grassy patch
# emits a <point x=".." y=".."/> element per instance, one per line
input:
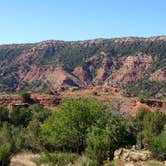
<point x="59" y="159"/>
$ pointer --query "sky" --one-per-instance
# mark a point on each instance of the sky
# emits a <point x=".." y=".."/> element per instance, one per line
<point x="28" y="21"/>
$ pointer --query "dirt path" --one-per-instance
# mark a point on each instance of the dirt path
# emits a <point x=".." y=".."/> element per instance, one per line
<point x="23" y="159"/>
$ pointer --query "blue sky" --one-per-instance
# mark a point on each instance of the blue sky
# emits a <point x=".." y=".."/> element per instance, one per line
<point x="23" y="21"/>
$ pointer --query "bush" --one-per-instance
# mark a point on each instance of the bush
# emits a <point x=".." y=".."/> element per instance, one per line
<point x="94" y="93"/>
<point x="26" y="130"/>
<point x="4" y="112"/>
<point x="123" y="133"/>
<point x="149" y="125"/>
<point x="20" y="138"/>
<point x="142" y="99"/>
<point x="26" y="98"/>
<point x="6" y="144"/>
<point x="20" y="116"/>
<point x="87" y="126"/>
<point x="5" y="152"/>
<point x="98" y="144"/>
<point x="158" y="146"/>
<point x="39" y="112"/>
<point x="67" y="128"/>
<point x="34" y="133"/>
<point x="20" y="130"/>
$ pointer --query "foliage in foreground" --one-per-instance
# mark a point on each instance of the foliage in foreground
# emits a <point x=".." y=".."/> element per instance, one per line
<point x="151" y="132"/>
<point x="20" y="130"/>
<point x="80" y="131"/>
<point x="85" y="126"/>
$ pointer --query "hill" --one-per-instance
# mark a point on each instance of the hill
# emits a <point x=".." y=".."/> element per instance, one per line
<point x="137" y="65"/>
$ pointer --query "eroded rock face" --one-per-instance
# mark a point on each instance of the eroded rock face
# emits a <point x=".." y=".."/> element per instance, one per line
<point x="80" y="73"/>
<point x="115" y="72"/>
<point x="31" y="74"/>
<point x="129" y="69"/>
<point x="57" y="64"/>
<point x="59" y="77"/>
<point x="45" y="100"/>
<point x="56" y="77"/>
<point x="7" y="100"/>
<point x="159" y="75"/>
<point x="104" y="71"/>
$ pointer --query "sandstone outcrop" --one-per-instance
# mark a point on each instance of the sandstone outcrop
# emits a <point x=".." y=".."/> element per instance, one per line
<point x="132" y="155"/>
<point x="129" y="69"/>
<point x="45" y="100"/>
<point x="159" y="75"/>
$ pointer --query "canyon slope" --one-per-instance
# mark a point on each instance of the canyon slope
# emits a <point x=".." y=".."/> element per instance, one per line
<point x="137" y="65"/>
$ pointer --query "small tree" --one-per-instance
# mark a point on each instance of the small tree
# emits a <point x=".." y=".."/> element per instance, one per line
<point x="39" y="112"/>
<point x="98" y="144"/>
<point x="142" y="99"/>
<point x="3" y="114"/>
<point x="26" y="97"/>
<point x="67" y="128"/>
<point x="158" y="145"/>
<point x="5" y="144"/>
<point x="141" y="113"/>
<point x="94" y="93"/>
<point x="150" y="125"/>
<point x="20" y="116"/>
<point x="153" y="125"/>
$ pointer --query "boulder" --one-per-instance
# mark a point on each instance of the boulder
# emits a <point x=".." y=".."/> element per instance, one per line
<point x="132" y="155"/>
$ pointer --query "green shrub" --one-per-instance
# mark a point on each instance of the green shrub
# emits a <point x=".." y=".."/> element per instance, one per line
<point x="67" y="128"/>
<point x="20" y="116"/>
<point x="158" y="146"/>
<point x="39" y="112"/>
<point x="142" y="99"/>
<point x="20" y="128"/>
<point x="98" y="144"/>
<point x="5" y="152"/>
<point x="4" y="113"/>
<point x="26" y="130"/>
<point x="94" y="93"/>
<point x="86" y="125"/>
<point x="26" y="98"/>
<point x="149" y="125"/>
<point x="6" y="144"/>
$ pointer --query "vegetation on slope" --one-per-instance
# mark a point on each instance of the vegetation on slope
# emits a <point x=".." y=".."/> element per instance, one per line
<point x="73" y="54"/>
<point x="70" y="55"/>
<point x="147" y="88"/>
